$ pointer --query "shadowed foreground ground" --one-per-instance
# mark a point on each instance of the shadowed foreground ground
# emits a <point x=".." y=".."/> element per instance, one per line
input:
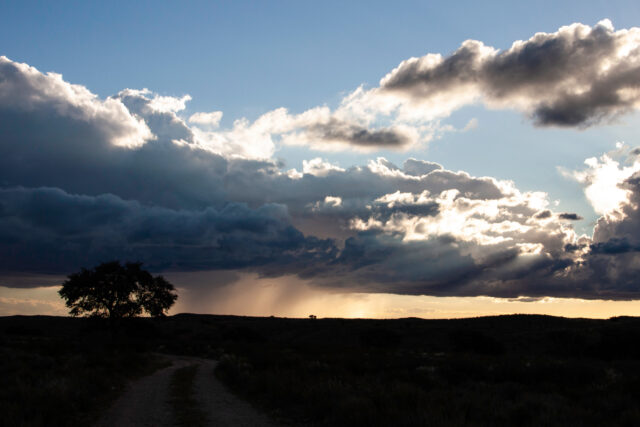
<point x="148" y="401"/>
<point x="505" y="370"/>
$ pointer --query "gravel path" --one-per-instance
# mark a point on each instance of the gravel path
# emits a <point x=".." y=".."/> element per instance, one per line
<point x="223" y="408"/>
<point x="145" y="403"/>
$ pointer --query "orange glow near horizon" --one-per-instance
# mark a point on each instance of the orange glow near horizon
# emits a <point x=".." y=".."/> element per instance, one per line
<point x="291" y="297"/>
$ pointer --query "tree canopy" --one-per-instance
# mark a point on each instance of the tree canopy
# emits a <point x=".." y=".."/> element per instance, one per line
<point x="113" y="290"/>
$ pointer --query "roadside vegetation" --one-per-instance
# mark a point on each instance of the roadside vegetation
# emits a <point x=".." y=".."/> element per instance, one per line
<point x="508" y="370"/>
<point x="62" y="371"/>
<point x="512" y="370"/>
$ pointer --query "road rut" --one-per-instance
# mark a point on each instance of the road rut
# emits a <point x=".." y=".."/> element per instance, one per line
<point x="145" y="403"/>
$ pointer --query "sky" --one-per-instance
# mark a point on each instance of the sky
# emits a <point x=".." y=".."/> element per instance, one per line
<point x="365" y="159"/>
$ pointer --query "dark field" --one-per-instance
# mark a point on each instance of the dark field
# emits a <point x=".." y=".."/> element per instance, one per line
<point x="507" y="370"/>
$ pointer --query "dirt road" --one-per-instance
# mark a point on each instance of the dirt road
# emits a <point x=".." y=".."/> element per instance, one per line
<point x="147" y="401"/>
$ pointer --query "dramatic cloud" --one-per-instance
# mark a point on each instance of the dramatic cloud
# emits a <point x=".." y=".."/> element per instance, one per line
<point x="620" y="224"/>
<point x="451" y="243"/>
<point x="603" y="181"/>
<point x="609" y="263"/>
<point x="576" y="76"/>
<point x="434" y="241"/>
<point x="177" y="169"/>
<point x="339" y="132"/>
<point x="570" y="216"/>
<point x="320" y="129"/>
<point x="84" y="180"/>
<point x="30" y="97"/>
<point x="49" y="230"/>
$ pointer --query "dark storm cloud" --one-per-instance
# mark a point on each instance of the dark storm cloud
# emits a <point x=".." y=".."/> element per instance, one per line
<point x="83" y="180"/>
<point x="614" y="246"/>
<point x="60" y="135"/>
<point x="44" y="145"/>
<point x="350" y="133"/>
<point x="383" y="212"/>
<point x="170" y="202"/>
<point x="610" y="264"/>
<point x="375" y="262"/>
<point x="48" y="230"/>
<point x="576" y="76"/>
<point x="571" y="247"/>
<point x="543" y="214"/>
<point x="570" y="216"/>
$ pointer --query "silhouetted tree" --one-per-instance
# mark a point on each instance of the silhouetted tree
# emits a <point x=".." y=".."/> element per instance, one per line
<point x="112" y="290"/>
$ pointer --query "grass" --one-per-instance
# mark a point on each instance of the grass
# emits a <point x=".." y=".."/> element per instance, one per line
<point x="185" y="407"/>
<point x="507" y="370"/>
<point x="512" y="370"/>
<point x="57" y="372"/>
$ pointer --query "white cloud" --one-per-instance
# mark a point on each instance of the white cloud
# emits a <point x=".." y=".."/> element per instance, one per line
<point x="128" y="175"/>
<point x="603" y="181"/>
<point x="319" y="167"/>
<point x="169" y="104"/>
<point x="509" y="220"/>
<point x="25" y="90"/>
<point x="211" y="119"/>
<point x="576" y="76"/>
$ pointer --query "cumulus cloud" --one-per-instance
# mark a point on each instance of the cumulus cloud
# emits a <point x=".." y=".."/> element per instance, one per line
<point x="570" y="216"/>
<point x="544" y="214"/>
<point x="177" y="167"/>
<point x="440" y="238"/>
<point x="417" y="167"/>
<point x="190" y="198"/>
<point x="332" y="133"/>
<point x="317" y="128"/>
<point x="577" y="76"/>
<point x="192" y="208"/>
<point x="603" y="180"/>
<point x="49" y="230"/>
<point x="619" y="225"/>
<point x="608" y="263"/>
<point x="208" y="119"/>
<point x="169" y="104"/>
<point x="349" y="133"/>
<point x="451" y="244"/>
<point x="28" y="96"/>
<point x="319" y="167"/>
